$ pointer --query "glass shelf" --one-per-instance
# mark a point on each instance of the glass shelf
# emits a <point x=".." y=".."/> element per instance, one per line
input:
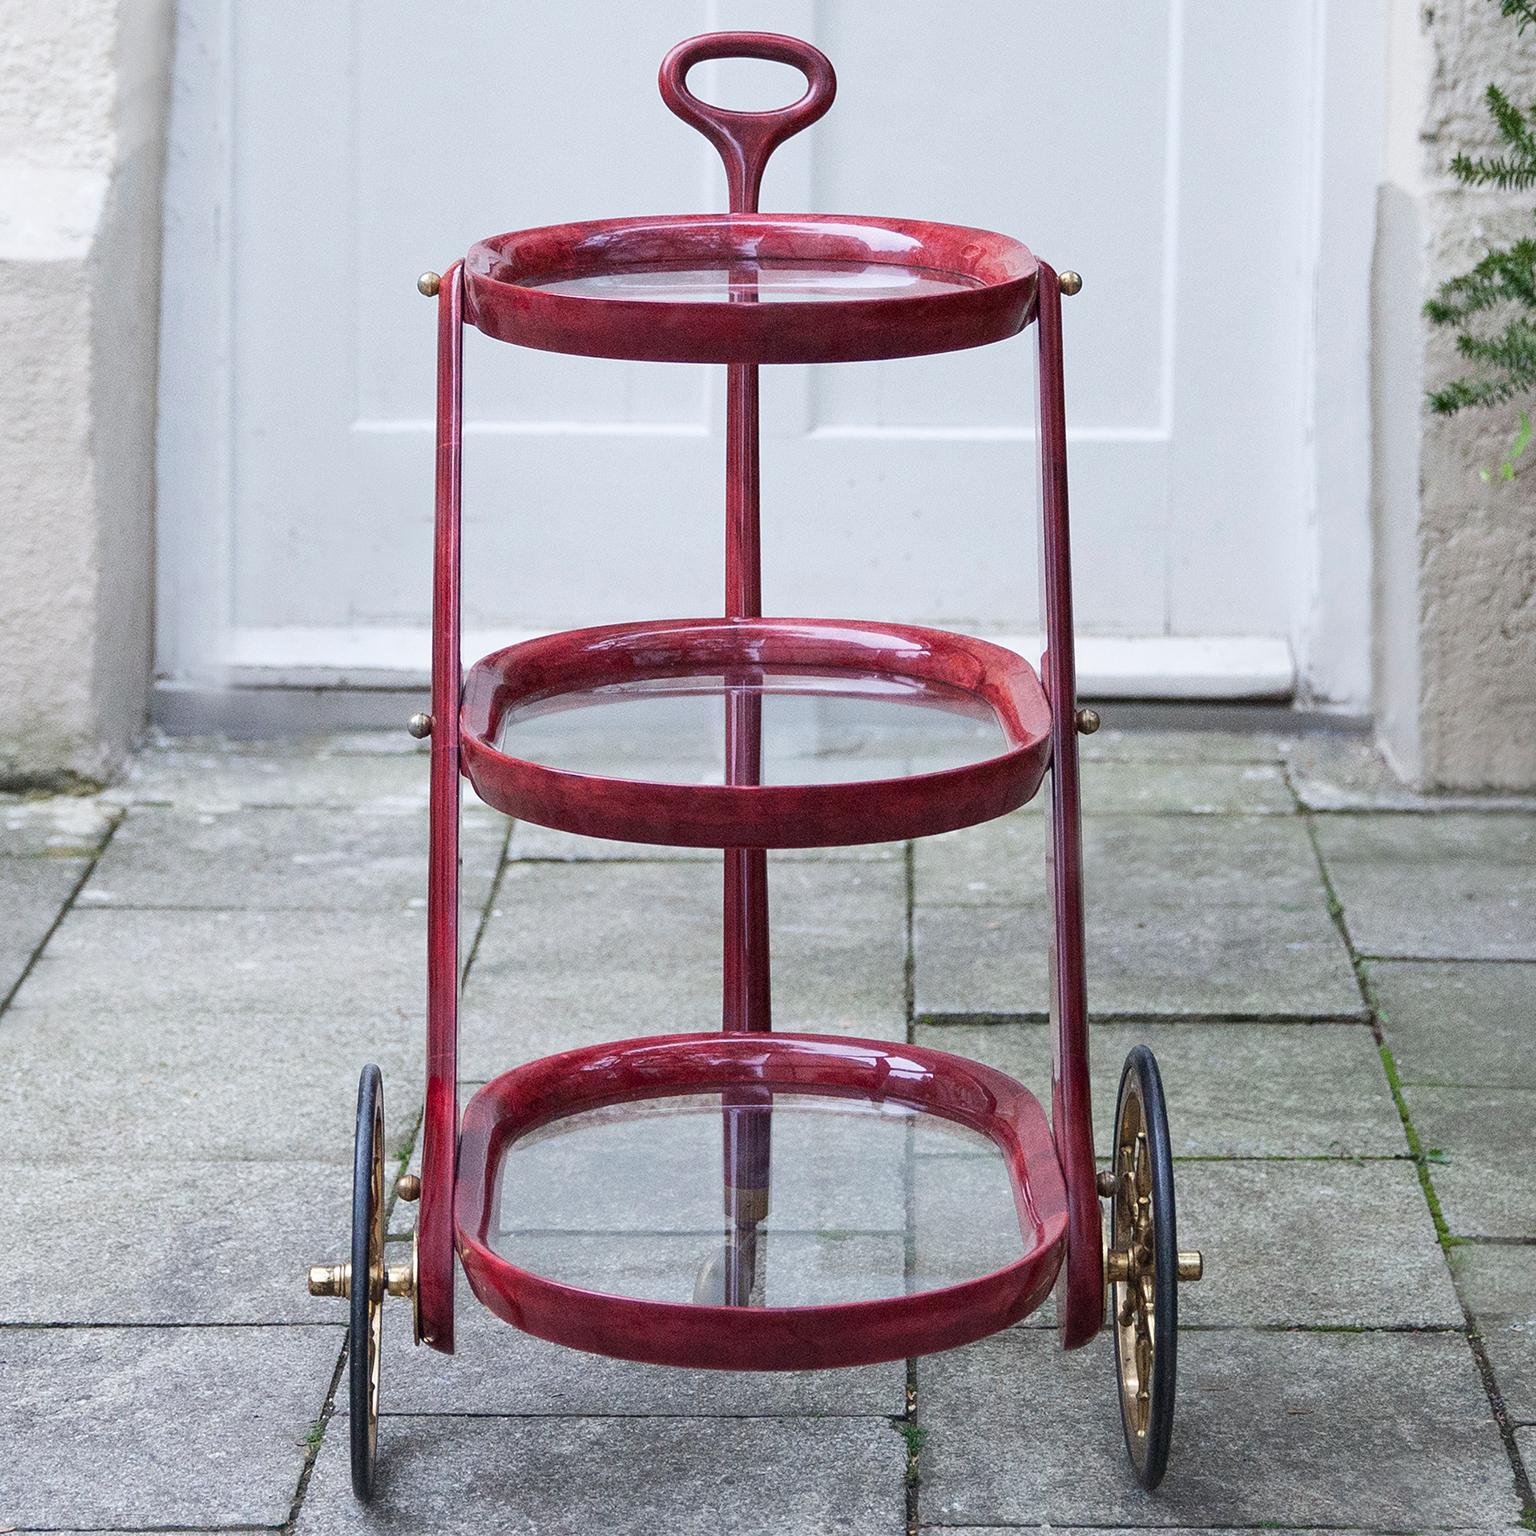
<point x="796" y="1199"/>
<point x="813" y="727"/>
<point x="765" y="282"/>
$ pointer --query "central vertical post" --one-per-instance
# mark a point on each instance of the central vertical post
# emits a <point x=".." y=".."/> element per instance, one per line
<point x="747" y="991"/>
<point x="745" y="140"/>
<point x="746" y="1002"/>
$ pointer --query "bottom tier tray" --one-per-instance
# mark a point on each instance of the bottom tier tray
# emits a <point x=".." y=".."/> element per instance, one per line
<point x="758" y="1201"/>
<point x="722" y="719"/>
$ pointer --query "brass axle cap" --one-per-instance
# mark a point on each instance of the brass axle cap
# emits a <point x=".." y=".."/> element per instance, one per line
<point x="1122" y="1265"/>
<point x="336" y="1280"/>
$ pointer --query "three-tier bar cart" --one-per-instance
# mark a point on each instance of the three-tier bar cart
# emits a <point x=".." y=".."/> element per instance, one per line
<point x="746" y="288"/>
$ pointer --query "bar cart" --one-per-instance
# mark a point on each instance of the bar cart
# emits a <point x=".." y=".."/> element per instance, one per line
<point x="744" y="289"/>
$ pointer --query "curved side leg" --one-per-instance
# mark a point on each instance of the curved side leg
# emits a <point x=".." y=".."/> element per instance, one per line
<point x="1080" y="1291"/>
<point x="440" y="1135"/>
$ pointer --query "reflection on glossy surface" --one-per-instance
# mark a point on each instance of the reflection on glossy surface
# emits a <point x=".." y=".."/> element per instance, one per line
<point x="817" y="727"/>
<point x="677" y="1199"/>
<point x="767" y="281"/>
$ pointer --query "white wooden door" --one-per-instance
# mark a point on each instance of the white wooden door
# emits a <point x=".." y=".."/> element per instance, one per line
<point x="322" y="155"/>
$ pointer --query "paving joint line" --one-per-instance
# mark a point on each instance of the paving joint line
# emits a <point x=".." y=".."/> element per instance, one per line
<point x="1375" y="1015"/>
<point x="996" y="1020"/>
<point x="65" y="908"/>
<point x="787" y="1415"/>
<point x="1448" y="959"/>
<point x="313" y="1440"/>
<point x="53" y="1326"/>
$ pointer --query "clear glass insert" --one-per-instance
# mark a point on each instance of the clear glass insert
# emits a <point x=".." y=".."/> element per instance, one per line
<point x="785" y="1200"/>
<point x="766" y="281"/>
<point x="813" y="728"/>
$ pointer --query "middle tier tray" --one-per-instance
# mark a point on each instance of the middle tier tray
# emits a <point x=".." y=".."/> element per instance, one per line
<point x="971" y="716"/>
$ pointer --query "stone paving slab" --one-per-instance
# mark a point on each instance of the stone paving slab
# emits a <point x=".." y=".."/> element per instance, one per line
<point x="314" y="966"/>
<point x="1114" y="787"/>
<point x="1465" y="1025"/>
<point x="328" y="860"/>
<point x="32" y="892"/>
<point x="1112" y="744"/>
<point x="1498" y="1284"/>
<point x="1525" y="1445"/>
<point x="225" y="776"/>
<point x="1211" y="961"/>
<point x="1195" y="788"/>
<point x="1270" y="1232"/>
<point x="1483" y="1137"/>
<point x="1374" y="1430"/>
<point x="1312" y="1244"/>
<point x="1443" y="887"/>
<point x="1233" y="1089"/>
<point x="578" y="954"/>
<point x="97" y="1085"/>
<point x="999" y="863"/>
<point x="118" y="1048"/>
<point x="147" y="1427"/>
<point x="440" y="1476"/>
<point x="497" y="1369"/>
<point x="1177" y="1530"/>
<point x="53" y="826"/>
<point x="1347" y="773"/>
<point x="135" y="1242"/>
<point x="1242" y="927"/>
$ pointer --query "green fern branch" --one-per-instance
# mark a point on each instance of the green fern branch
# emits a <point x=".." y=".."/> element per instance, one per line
<point x="1503" y="283"/>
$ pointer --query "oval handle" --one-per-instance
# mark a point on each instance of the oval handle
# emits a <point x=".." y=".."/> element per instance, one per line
<point x="746" y="139"/>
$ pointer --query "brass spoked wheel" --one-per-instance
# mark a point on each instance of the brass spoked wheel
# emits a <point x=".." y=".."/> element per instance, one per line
<point x="366" y="1290"/>
<point x="1143" y="1266"/>
<point x="365" y="1279"/>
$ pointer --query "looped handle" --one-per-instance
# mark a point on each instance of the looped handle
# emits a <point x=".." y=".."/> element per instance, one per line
<point x="746" y="139"/>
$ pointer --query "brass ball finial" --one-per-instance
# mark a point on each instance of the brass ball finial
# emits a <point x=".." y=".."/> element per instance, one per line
<point x="429" y="283"/>
<point x="419" y="726"/>
<point x="1087" y="721"/>
<point x="1071" y="282"/>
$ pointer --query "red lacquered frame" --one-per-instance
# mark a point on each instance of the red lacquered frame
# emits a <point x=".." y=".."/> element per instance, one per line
<point x="755" y="815"/>
<point x="1054" y="1172"/>
<point x="506" y="299"/>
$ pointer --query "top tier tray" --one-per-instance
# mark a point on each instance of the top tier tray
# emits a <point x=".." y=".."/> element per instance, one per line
<point x="747" y="287"/>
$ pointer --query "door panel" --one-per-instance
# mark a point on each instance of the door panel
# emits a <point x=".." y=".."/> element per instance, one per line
<point x="1161" y="148"/>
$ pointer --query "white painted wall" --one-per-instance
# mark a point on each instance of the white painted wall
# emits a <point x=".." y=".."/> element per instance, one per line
<point x="1206" y="166"/>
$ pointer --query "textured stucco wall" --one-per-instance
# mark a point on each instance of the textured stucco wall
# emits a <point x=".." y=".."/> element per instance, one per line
<point x="1455" y="557"/>
<point x="82" y="104"/>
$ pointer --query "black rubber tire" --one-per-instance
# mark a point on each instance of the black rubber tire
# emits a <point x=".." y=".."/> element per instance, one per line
<point x="367" y="1256"/>
<point x="1149" y="1453"/>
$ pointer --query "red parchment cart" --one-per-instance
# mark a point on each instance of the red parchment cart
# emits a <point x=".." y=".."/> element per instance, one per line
<point x="745" y="289"/>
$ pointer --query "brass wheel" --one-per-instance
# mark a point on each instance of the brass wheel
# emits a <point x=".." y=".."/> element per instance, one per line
<point x="367" y="1281"/>
<point x="1143" y="1266"/>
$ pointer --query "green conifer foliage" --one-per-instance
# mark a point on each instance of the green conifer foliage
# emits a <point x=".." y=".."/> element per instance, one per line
<point x="1502" y="286"/>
